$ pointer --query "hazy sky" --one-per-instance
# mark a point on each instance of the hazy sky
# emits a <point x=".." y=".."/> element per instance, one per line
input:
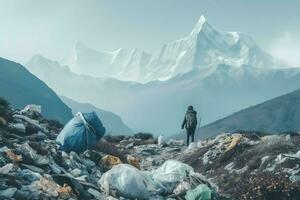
<point x="51" y="27"/>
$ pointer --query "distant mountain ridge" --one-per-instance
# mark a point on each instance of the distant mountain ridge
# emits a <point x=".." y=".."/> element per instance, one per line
<point x="112" y="122"/>
<point x="20" y="88"/>
<point x="278" y="115"/>
<point x="203" y="47"/>
<point x="158" y="106"/>
<point x="218" y="73"/>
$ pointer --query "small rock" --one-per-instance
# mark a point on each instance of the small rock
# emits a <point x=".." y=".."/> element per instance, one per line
<point x="76" y="172"/>
<point x="129" y="146"/>
<point x="19" y="127"/>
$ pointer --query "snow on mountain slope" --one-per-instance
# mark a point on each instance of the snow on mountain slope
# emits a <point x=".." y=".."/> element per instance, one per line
<point x="158" y="106"/>
<point x="119" y="64"/>
<point x="203" y="47"/>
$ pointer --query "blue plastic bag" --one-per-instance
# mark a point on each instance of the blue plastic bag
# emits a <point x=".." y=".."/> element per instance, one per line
<point x="81" y="133"/>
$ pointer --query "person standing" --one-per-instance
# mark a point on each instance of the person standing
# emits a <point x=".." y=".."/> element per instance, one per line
<point x="190" y="124"/>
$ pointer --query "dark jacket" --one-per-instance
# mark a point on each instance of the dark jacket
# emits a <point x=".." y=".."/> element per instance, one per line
<point x="190" y="120"/>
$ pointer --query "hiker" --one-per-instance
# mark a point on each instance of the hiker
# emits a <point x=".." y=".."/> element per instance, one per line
<point x="190" y="123"/>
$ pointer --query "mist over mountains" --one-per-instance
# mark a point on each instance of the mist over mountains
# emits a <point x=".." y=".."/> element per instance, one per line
<point x="219" y="73"/>
<point x="203" y="47"/>
<point x="113" y="123"/>
<point x="276" y="116"/>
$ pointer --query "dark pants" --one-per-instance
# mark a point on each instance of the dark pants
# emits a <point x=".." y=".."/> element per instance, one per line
<point x="190" y="132"/>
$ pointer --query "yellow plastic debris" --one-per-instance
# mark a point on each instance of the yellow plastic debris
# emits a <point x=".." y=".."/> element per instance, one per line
<point x="234" y="141"/>
<point x="109" y="161"/>
<point x="13" y="157"/>
<point x="53" y="189"/>
<point x="133" y="161"/>
<point x="65" y="191"/>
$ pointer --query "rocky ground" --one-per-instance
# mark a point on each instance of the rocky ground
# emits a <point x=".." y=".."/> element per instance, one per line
<point x="230" y="166"/>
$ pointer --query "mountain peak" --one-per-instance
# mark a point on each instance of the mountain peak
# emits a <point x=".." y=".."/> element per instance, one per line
<point x="202" y="19"/>
<point x="199" y="25"/>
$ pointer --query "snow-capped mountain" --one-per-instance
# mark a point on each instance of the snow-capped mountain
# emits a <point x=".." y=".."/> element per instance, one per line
<point x="120" y="64"/>
<point x="219" y="73"/>
<point x="203" y="47"/>
<point x="158" y="106"/>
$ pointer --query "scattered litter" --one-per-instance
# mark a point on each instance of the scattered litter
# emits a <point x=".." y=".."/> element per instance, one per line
<point x="97" y="195"/>
<point x="235" y="141"/>
<point x="192" y="146"/>
<point x="182" y="188"/>
<point x="233" y="164"/>
<point x="202" y="192"/>
<point x="109" y="161"/>
<point x="33" y="168"/>
<point x="19" y="127"/>
<point x="133" y="161"/>
<point x="51" y="188"/>
<point x="129" y="182"/>
<point x="33" y="122"/>
<point x="76" y="172"/>
<point x="173" y="142"/>
<point x="295" y="178"/>
<point x="37" y="158"/>
<point x="171" y="173"/>
<point x="32" y="108"/>
<point x="160" y="140"/>
<point x="6" y="168"/>
<point x="13" y="157"/>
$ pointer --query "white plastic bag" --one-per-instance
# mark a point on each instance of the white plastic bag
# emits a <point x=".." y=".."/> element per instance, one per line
<point x="202" y="192"/>
<point x="171" y="173"/>
<point x="32" y="108"/>
<point x="128" y="182"/>
<point x="6" y="168"/>
<point x="160" y="140"/>
<point x="192" y="146"/>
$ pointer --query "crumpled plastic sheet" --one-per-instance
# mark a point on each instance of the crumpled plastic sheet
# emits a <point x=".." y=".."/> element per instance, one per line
<point x="128" y="182"/>
<point x="202" y="192"/>
<point x="234" y="142"/>
<point x="6" y="168"/>
<point x="38" y="159"/>
<point x="31" y="121"/>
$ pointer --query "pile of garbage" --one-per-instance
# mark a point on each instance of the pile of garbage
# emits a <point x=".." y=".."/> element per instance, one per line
<point x="248" y="165"/>
<point x="237" y="166"/>
<point x="38" y="160"/>
<point x="35" y="165"/>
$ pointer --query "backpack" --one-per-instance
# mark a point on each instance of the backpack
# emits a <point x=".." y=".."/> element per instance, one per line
<point x="191" y="119"/>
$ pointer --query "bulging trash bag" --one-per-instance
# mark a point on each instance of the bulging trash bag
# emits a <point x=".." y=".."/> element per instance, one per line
<point x="171" y="173"/>
<point x="202" y="192"/>
<point x="129" y="182"/>
<point x="81" y="133"/>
